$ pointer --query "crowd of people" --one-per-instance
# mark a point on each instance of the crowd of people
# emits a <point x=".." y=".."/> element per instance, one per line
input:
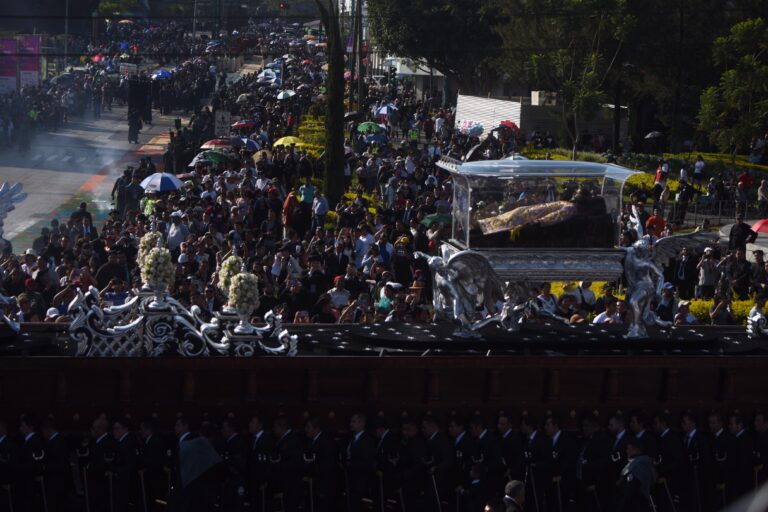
<point x="627" y="463"/>
<point x="354" y="261"/>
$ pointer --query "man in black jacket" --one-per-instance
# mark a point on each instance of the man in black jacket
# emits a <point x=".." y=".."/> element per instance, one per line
<point x="153" y="463"/>
<point x="741" y="234"/>
<point x="464" y="449"/>
<point x="593" y="486"/>
<point x="487" y="457"/>
<point x="321" y="461"/>
<point x="743" y="478"/>
<point x="360" y="462"/>
<point x="287" y="464"/>
<point x="440" y="460"/>
<point x="511" y="448"/>
<point x="724" y="458"/>
<point x="125" y="467"/>
<point x="411" y="471"/>
<point x="561" y="468"/>
<point x="31" y="462"/>
<point x="7" y="461"/>
<point x="101" y="461"/>
<point x="669" y="463"/>
<point x="58" y="471"/>
<point x="260" y="453"/>
<point x="537" y="452"/>
<point x="388" y="444"/>
<point x="235" y="456"/>
<point x="696" y="491"/>
<point x="638" y="425"/>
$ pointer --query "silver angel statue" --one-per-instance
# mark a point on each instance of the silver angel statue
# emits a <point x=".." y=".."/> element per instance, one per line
<point x="645" y="277"/>
<point x="461" y="283"/>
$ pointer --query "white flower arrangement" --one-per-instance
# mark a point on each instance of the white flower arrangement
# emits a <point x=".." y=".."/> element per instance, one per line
<point x="229" y="269"/>
<point x="244" y="293"/>
<point x="157" y="268"/>
<point x="148" y="242"/>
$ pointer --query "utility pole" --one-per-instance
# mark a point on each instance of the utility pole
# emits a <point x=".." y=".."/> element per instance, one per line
<point x="194" y="21"/>
<point x="66" y="34"/>
<point x="359" y="44"/>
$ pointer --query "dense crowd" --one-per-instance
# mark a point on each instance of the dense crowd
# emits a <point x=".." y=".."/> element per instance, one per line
<point x="263" y="200"/>
<point x="463" y="464"/>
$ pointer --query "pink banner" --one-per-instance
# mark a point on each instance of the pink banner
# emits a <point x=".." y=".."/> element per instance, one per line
<point x="8" y="58"/>
<point x="29" y="49"/>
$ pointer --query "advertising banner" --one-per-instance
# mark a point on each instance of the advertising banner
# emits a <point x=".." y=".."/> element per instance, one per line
<point x="8" y="61"/>
<point x="29" y="63"/>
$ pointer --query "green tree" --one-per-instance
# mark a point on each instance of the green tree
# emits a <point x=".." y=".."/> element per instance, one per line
<point x="565" y="47"/>
<point x="736" y="108"/>
<point x="334" y="117"/>
<point x="455" y="37"/>
<point x="117" y="7"/>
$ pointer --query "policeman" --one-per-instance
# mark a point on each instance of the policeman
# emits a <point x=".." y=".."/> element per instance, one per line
<point x="488" y="459"/>
<point x="668" y="463"/>
<point x="593" y="488"/>
<point x="287" y="464"/>
<point x="58" y="471"/>
<point x="178" y="498"/>
<point x="696" y="492"/>
<point x="409" y="464"/>
<point x="7" y="456"/>
<point x="511" y="448"/>
<point x="724" y="457"/>
<point x="31" y="462"/>
<point x="125" y="483"/>
<point x="560" y="469"/>
<point x="633" y="491"/>
<point x="440" y="462"/>
<point x="387" y="453"/>
<point x="743" y="479"/>
<point x="760" y="423"/>
<point x="464" y="449"/>
<point x="100" y="466"/>
<point x="638" y="425"/>
<point x="260" y="453"/>
<point x="153" y="465"/>
<point x="619" y="438"/>
<point x="321" y="461"/>
<point x="235" y="456"/>
<point x="360" y="462"/>
<point x="537" y="452"/>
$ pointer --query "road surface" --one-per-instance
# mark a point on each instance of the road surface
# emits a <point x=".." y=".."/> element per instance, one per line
<point x="78" y="163"/>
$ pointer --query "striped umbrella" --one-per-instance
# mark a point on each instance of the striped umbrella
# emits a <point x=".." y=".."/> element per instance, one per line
<point x="161" y="182"/>
<point x="216" y="143"/>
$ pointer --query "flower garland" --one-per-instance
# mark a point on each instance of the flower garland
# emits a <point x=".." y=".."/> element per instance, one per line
<point x="229" y="269"/>
<point x="244" y="293"/>
<point x="148" y="242"/>
<point x="157" y="268"/>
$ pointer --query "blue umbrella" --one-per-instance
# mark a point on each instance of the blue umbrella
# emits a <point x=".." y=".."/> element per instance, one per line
<point x="161" y="74"/>
<point x="161" y="182"/>
<point x="376" y="137"/>
<point x="249" y="144"/>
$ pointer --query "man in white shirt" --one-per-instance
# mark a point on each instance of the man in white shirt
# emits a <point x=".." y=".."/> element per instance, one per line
<point x="609" y="316"/>
<point x="177" y="231"/>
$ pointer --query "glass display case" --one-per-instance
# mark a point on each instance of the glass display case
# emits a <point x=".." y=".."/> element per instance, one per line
<point x="536" y="203"/>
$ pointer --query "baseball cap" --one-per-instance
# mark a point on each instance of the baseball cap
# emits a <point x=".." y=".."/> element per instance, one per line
<point x="52" y="313"/>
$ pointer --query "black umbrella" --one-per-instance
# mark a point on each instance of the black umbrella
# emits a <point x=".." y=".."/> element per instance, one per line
<point x="350" y="116"/>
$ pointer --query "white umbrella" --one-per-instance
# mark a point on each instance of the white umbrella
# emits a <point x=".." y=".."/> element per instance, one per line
<point x="243" y="98"/>
<point x="386" y="110"/>
<point x="161" y="182"/>
<point x="285" y="95"/>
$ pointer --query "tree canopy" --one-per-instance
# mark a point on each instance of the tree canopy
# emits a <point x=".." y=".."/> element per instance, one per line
<point x="736" y="108"/>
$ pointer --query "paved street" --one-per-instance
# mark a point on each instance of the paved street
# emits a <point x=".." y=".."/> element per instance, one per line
<point x="78" y="163"/>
